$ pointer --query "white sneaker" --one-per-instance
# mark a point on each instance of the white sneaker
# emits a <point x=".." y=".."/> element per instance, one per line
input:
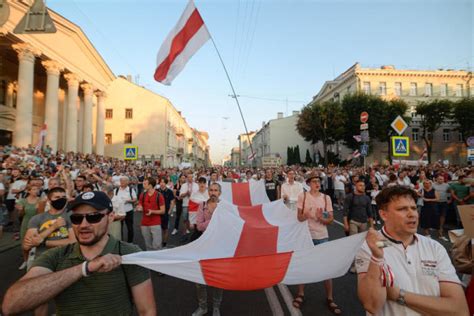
<point x="216" y="311"/>
<point x="444" y="238"/>
<point x="23" y="266"/>
<point x="174" y="232"/>
<point x="187" y="231"/>
<point x="200" y="312"/>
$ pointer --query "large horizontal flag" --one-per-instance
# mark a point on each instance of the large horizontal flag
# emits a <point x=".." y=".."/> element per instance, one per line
<point x="244" y="194"/>
<point x="253" y="247"/>
<point x="184" y="40"/>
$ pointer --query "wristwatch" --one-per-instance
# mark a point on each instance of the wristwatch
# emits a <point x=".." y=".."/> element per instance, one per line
<point x="401" y="298"/>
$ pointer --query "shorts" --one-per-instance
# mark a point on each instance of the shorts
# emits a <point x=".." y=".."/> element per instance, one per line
<point x="339" y="194"/>
<point x="320" y="241"/>
<point x="193" y="217"/>
<point x="164" y="220"/>
<point x="442" y="208"/>
<point x="185" y="213"/>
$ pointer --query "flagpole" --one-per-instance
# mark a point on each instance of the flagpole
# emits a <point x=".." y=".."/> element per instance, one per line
<point x="234" y="95"/>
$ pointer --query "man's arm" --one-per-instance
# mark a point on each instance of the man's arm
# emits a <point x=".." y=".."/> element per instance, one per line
<point x="450" y="302"/>
<point x="144" y="298"/>
<point x="37" y="287"/>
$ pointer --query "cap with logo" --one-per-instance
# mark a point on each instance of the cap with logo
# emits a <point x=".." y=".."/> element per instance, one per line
<point x="97" y="199"/>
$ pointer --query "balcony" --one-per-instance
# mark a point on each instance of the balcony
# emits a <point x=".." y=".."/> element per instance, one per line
<point x="179" y="131"/>
<point x="180" y="151"/>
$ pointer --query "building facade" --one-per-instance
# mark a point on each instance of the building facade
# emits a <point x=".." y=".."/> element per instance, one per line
<point x="245" y="150"/>
<point x="274" y="138"/>
<point x="139" y="117"/>
<point x="55" y="80"/>
<point x="412" y="86"/>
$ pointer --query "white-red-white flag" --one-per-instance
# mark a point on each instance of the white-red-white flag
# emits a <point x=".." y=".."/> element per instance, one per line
<point x="185" y="39"/>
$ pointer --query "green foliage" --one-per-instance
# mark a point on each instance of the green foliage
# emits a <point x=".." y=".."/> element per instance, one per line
<point x="463" y="114"/>
<point x="432" y="114"/>
<point x="321" y="122"/>
<point x="289" y="155"/>
<point x="297" y="157"/>
<point x="308" y="161"/>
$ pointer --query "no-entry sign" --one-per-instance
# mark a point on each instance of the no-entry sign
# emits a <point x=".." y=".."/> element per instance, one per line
<point x="364" y="117"/>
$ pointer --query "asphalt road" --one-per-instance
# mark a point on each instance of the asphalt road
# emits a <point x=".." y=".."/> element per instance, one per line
<point x="178" y="297"/>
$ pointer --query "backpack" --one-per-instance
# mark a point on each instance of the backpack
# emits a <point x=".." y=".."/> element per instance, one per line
<point x="130" y="190"/>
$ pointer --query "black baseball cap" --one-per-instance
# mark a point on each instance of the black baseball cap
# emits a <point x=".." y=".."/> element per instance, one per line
<point x="97" y="199"/>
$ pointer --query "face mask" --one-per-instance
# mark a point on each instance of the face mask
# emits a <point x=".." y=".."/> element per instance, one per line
<point x="59" y="204"/>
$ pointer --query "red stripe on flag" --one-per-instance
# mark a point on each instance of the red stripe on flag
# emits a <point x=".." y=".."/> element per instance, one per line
<point x="258" y="237"/>
<point x="246" y="273"/>
<point x="241" y="194"/>
<point x="192" y="26"/>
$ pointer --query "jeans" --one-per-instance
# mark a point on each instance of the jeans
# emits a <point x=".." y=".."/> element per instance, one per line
<point x="152" y="236"/>
<point x="202" y="296"/>
<point x="128" y="221"/>
<point x="320" y="241"/>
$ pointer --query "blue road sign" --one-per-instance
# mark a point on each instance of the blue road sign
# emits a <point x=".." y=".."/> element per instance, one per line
<point x="400" y="146"/>
<point x="364" y="149"/>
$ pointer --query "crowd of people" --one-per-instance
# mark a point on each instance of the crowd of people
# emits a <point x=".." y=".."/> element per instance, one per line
<point x="81" y="208"/>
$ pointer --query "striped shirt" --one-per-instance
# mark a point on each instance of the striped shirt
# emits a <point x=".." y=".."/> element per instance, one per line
<point x="101" y="293"/>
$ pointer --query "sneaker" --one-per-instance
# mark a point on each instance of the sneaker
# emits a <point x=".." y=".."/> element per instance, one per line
<point x="187" y="231"/>
<point x="216" y="311"/>
<point x="200" y="312"/>
<point x="174" y="232"/>
<point x="23" y="266"/>
<point x="352" y="270"/>
<point x="443" y="238"/>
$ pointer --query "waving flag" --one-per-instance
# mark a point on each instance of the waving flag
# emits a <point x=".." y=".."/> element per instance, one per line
<point x="184" y="40"/>
<point x="244" y="194"/>
<point x="253" y="247"/>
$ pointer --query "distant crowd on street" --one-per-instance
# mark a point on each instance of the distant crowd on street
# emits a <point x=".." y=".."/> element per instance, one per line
<point x="75" y="212"/>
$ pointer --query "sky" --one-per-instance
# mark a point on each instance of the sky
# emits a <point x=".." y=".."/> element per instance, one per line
<point x="278" y="53"/>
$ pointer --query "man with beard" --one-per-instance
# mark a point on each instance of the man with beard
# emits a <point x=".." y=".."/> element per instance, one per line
<point x="85" y="278"/>
<point x="204" y="215"/>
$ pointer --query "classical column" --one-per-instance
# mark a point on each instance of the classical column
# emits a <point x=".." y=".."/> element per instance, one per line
<point x="87" y="120"/>
<point x="51" y="117"/>
<point x="71" y="122"/>
<point x="100" y="128"/>
<point x="22" y="134"/>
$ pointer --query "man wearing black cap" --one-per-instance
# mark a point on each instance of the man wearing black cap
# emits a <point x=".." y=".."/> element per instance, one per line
<point x="85" y="277"/>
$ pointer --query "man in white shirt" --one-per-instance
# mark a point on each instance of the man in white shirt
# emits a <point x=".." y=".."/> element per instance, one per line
<point x="404" y="180"/>
<point x="128" y="196"/>
<point x="187" y="189"/>
<point x="413" y="275"/>
<point x="290" y="191"/>
<point x="339" y="189"/>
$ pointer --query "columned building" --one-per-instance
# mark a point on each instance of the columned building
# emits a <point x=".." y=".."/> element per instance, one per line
<point x="54" y="80"/>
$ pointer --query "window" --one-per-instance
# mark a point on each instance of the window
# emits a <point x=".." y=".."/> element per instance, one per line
<point x="445" y="135"/>
<point x="108" y="139"/>
<point x="459" y="91"/>
<point x="413" y="89"/>
<point x="443" y="90"/>
<point x="128" y="138"/>
<point x="367" y="87"/>
<point x="415" y="134"/>
<point x="460" y="138"/>
<point x="3" y="92"/>
<point x="398" y="89"/>
<point x="383" y="88"/>
<point x="428" y="89"/>
<point x="109" y="114"/>
<point x="129" y="113"/>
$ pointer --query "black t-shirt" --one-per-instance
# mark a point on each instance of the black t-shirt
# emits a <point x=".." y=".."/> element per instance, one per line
<point x="271" y="189"/>
<point x="168" y="196"/>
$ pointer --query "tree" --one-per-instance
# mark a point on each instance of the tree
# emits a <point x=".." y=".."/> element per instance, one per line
<point x="432" y="114"/>
<point x="463" y="115"/>
<point x="321" y="122"/>
<point x="308" y="161"/>
<point x="297" y="156"/>
<point x="289" y="156"/>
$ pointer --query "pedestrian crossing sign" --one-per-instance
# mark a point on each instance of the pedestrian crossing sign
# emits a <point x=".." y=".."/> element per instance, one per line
<point x="400" y="146"/>
<point x="130" y="152"/>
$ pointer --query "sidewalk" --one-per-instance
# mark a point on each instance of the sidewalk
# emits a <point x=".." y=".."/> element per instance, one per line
<point x="7" y="242"/>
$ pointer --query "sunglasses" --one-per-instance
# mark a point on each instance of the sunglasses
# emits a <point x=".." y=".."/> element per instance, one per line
<point x="91" y="218"/>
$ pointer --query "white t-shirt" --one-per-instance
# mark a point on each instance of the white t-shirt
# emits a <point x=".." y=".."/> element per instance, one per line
<point x="338" y="184"/>
<point x="291" y="190"/>
<point x="188" y="188"/>
<point x="418" y="269"/>
<point x="373" y="195"/>
<point x="17" y="185"/>
<point x="124" y="195"/>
